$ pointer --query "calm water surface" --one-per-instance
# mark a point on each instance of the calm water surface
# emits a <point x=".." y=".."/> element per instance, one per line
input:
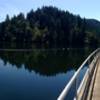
<point x="37" y="74"/>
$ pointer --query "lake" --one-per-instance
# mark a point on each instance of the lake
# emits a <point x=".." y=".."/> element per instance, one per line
<point x="38" y="74"/>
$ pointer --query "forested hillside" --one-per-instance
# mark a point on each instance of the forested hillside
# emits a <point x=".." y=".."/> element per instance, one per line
<point x="50" y="27"/>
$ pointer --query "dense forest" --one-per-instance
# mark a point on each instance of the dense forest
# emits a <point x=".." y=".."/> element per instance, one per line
<point x="50" y="27"/>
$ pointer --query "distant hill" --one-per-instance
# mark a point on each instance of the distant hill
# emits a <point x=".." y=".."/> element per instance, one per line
<point x="50" y="27"/>
<point x="93" y="25"/>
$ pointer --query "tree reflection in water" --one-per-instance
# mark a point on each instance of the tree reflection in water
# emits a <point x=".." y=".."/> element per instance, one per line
<point x="46" y="62"/>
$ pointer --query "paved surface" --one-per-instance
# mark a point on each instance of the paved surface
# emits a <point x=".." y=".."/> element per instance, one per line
<point x="96" y="89"/>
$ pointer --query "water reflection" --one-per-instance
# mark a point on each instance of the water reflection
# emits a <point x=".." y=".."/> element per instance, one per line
<point x="45" y="62"/>
<point x="37" y="74"/>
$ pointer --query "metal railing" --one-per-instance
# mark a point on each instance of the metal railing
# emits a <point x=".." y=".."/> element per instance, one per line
<point x="82" y="90"/>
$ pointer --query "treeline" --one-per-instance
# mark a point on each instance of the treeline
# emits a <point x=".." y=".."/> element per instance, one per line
<point x="48" y="27"/>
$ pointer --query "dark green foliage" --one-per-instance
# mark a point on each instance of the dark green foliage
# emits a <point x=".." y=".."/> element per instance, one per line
<point x="49" y="27"/>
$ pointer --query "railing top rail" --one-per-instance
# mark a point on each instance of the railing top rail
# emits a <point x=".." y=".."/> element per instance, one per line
<point x="68" y="86"/>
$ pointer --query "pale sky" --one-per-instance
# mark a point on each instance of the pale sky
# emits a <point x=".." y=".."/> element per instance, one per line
<point x="85" y="8"/>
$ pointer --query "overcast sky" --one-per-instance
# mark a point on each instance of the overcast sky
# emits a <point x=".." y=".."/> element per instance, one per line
<point x="85" y="8"/>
